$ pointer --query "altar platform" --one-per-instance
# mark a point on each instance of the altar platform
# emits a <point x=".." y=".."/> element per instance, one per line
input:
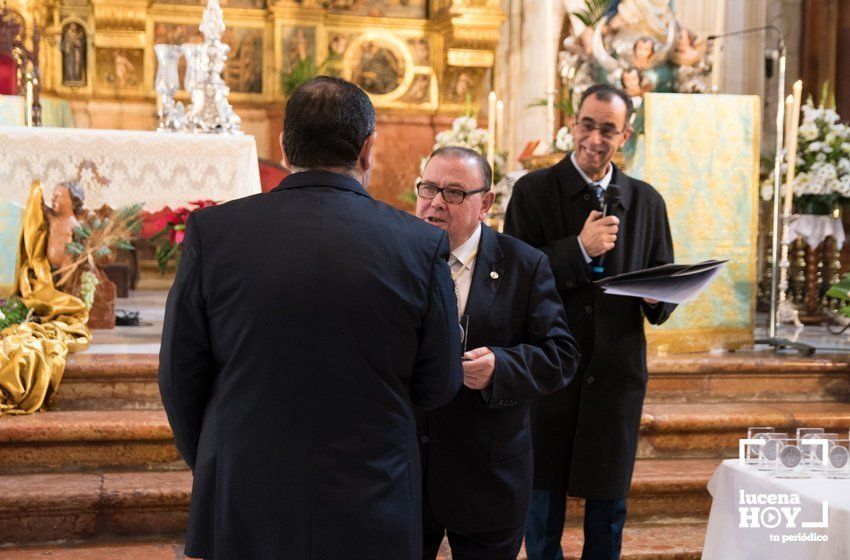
<point x="97" y="475"/>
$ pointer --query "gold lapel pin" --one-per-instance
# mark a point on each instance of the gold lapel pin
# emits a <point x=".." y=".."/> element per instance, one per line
<point x="494" y="275"/>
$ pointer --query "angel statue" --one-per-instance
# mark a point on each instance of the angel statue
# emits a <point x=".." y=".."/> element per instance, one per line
<point x="634" y="44"/>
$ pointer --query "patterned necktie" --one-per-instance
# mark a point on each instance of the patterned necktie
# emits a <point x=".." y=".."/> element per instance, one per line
<point x="456" y="269"/>
<point x="599" y="192"/>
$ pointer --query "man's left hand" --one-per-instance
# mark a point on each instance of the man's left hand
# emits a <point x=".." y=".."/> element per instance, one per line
<point x="650" y="301"/>
<point x="478" y="371"/>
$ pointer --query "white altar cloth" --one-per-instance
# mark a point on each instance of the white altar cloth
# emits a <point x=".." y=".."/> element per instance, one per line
<point x="726" y="539"/>
<point x="157" y="169"/>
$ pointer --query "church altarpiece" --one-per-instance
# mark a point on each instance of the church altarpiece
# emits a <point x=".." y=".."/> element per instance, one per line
<point x="422" y="61"/>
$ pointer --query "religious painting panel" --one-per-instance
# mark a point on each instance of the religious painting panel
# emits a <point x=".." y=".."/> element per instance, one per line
<point x="420" y="50"/>
<point x="74" y="48"/>
<point x="462" y="86"/>
<point x="243" y="71"/>
<point x="120" y="70"/>
<point x="338" y="43"/>
<point x="380" y="63"/>
<point x="379" y="8"/>
<point x="420" y="90"/>
<point x="298" y="44"/>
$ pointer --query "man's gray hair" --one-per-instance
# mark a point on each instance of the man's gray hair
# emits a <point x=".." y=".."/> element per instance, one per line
<point x="460" y="152"/>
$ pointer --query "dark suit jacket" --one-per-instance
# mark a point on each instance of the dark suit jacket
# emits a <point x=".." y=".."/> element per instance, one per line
<point x="585" y="436"/>
<point x="477" y="450"/>
<point x="302" y="328"/>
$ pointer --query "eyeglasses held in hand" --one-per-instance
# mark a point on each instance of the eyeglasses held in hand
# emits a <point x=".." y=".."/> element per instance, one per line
<point x="450" y="195"/>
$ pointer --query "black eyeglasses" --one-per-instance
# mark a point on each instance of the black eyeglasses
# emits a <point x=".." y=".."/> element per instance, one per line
<point x="606" y="130"/>
<point x="450" y="195"/>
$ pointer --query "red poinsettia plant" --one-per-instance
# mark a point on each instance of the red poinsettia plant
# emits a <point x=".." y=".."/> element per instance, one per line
<point x="171" y="226"/>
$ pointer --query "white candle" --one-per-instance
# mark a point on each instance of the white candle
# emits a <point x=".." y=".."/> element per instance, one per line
<point x="491" y="128"/>
<point x="500" y="124"/>
<point x="791" y="143"/>
<point x="28" y="109"/>
<point x="716" y="51"/>
<point x="789" y="112"/>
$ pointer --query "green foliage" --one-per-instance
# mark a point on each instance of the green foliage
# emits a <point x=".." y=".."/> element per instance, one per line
<point x="305" y="70"/>
<point x="841" y="291"/>
<point x="12" y="312"/>
<point x="593" y="11"/>
<point x="164" y="254"/>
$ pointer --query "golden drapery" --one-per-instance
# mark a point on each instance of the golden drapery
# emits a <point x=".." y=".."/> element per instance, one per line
<point x="33" y="353"/>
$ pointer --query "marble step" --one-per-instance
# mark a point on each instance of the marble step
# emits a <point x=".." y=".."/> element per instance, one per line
<point x="99" y="504"/>
<point x="128" y="381"/>
<point x="57" y="440"/>
<point x="748" y="376"/>
<point x="112" y="438"/>
<point x="713" y="429"/>
<point x="640" y="542"/>
<point x="109" y="381"/>
<point x="79" y="506"/>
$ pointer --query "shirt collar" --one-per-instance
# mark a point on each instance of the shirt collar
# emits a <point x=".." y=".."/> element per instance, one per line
<point x="465" y="254"/>
<point x="604" y="182"/>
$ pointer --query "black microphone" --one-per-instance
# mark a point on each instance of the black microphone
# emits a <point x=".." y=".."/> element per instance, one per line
<point x="610" y="200"/>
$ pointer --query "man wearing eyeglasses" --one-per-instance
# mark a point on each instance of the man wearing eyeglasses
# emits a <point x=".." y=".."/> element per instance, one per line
<point x="585" y="436"/>
<point x="476" y="451"/>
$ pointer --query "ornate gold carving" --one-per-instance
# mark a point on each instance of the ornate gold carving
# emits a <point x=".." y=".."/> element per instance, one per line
<point x="469" y="57"/>
<point x="437" y="55"/>
<point x="120" y="15"/>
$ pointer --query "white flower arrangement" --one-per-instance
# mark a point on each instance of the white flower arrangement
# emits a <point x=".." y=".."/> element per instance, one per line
<point x="823" y="157"/>
<point x="564" y="140"/>
<point x="465" y="133"/>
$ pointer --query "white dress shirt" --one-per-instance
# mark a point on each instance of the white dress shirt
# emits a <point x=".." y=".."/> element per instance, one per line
<point x="462" y="266"/>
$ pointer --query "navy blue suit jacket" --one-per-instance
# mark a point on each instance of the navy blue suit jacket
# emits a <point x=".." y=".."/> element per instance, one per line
<point x="477" y="450"/>
<point x="303" y="327"/>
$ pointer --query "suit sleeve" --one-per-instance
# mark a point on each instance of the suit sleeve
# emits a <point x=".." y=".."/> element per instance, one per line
<point x="523" y="220"/>
<point x="661" y="252"/>
<point x="186" y="367"/>
<point x="437" y="374"/>
<point x="548" y="358"/>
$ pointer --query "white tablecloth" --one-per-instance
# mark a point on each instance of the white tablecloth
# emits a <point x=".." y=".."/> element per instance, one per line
<point x="814" y="229"/>
<point x="727" y="540"/>
<point x="142" y="167"/>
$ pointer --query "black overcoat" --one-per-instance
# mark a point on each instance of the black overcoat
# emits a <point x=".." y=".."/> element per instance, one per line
<point x="302" y="328"/>
<point x="477" y="456"/>
<point x="585" y="436"/>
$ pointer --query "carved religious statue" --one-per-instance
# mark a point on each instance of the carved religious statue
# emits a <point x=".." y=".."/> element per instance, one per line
<point x="638" y="45"/>
<point x="73" y="55"/>
<point x="65" y="207"/>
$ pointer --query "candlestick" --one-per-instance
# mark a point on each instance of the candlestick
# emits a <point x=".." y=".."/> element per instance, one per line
<point x="791" y="144"/>
<point x="491" y="128"/>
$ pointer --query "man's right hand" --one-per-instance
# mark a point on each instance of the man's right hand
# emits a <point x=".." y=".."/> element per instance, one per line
<point x="599" y="234"/>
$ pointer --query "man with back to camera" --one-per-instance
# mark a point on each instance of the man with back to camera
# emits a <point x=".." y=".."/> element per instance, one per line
<point x="476" y="451"/>
<point x="585" y="436"/>
<point x="303" y="327"/>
